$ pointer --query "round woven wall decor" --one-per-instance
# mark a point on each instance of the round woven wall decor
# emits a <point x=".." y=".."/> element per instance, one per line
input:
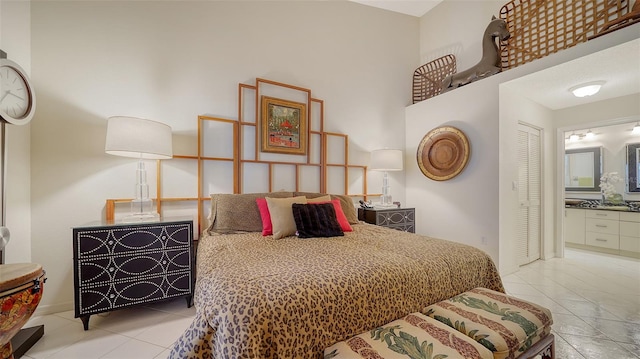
<point x="443" y="153"/>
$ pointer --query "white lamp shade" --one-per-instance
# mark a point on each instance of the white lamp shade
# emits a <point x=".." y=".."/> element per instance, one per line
<point x="139" y="138"/>
<point x="386" y="160"/>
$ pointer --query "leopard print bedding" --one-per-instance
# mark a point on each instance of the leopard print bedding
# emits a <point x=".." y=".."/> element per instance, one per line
<point x="291" y="298"/>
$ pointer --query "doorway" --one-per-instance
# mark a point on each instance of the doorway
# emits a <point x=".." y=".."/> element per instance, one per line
<point x="529" y="235"/>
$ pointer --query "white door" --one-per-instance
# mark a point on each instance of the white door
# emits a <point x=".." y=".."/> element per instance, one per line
<point x="529" y="194"/>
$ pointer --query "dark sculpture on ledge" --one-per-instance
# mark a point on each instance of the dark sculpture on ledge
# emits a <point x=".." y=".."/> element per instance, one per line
<point x="490" y="62"/>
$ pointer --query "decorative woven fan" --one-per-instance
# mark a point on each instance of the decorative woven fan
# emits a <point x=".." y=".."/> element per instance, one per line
<point x="427" y="79"/>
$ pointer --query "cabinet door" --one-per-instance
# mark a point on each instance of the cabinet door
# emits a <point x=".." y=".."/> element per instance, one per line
<point x="602" y="214"/>
<point x="603" y="226"/>
<point x="630" y="232"/>
<point x="631" y="244"/>
<point x="604" y="240"/>
<point x="574" y="225"/>
<point x="630" y="229"/>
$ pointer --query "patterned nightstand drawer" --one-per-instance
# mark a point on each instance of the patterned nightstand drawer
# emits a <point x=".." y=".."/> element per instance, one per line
<point x="402" y="219"/>
<point x="100" y="241"/>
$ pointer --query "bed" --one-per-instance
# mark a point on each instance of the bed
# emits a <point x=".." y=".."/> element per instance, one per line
<point x="257" y="297"/>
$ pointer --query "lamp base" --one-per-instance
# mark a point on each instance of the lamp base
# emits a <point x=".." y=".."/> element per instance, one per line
<point x="142" y="209"/>
<point x="141" y="217"/>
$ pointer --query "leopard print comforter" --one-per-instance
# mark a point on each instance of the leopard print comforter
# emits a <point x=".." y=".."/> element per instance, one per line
<point x="291" y="298"/>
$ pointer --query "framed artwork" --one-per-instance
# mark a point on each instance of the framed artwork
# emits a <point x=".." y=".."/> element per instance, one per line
<point x="284" y="126"/>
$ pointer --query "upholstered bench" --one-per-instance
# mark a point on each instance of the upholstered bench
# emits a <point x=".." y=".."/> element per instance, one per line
<point x="508" y="326"/>
<point x="414" y="336"/>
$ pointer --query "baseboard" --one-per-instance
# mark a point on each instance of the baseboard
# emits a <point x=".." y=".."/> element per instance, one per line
<point x="506" y="270"/>
<point x="616" y="252"/>
<point x="47" y="309"/>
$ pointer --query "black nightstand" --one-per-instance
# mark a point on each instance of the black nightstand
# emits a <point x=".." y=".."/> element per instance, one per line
<point x="120" y="265"/>
<point x="402" y="219"/>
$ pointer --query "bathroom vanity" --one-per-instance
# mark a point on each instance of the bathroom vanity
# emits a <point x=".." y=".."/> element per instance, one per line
<point x="614" y="230"/>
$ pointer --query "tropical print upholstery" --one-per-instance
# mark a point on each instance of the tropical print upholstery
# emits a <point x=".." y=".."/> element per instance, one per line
<point x="256" y="297"/>
<point x="415" y="336"/>
<point x="506" y="325"/>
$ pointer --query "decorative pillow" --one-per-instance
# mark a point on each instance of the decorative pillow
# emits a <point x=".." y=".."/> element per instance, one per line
<point x="322" y="199"/>
<point x="316" y="220"/>
<point x="267" y="227"/>
<point x="345" y="201"/>
<point x="340" y="216"/>
<point x="234" y="213"/>
<point x="282" y="215"/>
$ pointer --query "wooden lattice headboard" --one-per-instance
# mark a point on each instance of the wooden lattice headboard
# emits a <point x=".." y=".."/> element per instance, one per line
<point x="252" y="170"/>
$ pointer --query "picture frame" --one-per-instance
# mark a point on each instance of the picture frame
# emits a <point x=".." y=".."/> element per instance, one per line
<point x="284" y="126"/>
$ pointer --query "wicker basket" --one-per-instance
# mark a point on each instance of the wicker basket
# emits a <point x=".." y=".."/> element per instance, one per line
<point x="541" y="27"/>
<point x="427" y="79"/>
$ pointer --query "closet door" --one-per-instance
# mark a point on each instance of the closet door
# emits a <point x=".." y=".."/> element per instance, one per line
<point x="529" y="194"/>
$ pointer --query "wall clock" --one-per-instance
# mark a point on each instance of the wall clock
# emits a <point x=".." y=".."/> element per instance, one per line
<point x="443" y="153"/>
<point x="17" y="99"/>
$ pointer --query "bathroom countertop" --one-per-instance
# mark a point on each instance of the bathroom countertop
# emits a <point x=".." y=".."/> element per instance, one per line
<point x="627" y="206"/>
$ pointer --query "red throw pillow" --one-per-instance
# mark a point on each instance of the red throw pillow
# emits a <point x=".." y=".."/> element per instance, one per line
<point x="342" y="218"/>
<point x="267" y="227"/>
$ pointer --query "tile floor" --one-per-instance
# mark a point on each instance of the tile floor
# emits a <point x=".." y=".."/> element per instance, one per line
<point x="595" y="300"/>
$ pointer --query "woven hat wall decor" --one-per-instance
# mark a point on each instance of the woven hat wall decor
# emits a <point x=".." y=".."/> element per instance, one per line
<point x="443" y="153"/>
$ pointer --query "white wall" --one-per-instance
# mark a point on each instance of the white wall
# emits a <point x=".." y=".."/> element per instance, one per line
<point x="15" y="40"/>
<point x="173" y="61"/>
<point x="465" y="208"/>
<point x="469" y="207"/>
<point x="456" y="27"/>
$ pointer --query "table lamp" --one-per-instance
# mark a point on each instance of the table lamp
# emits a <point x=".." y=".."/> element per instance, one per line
<point x="386" y="160"/>
<point x="145" y="140"/>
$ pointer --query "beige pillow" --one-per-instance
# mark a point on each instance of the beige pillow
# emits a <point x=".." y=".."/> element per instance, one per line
<point x="281" y="213"/>
<point x="325" y="198"/>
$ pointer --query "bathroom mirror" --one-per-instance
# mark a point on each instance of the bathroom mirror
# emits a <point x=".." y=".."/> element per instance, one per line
<point x="633" y="155"/>
<point x="583" y="168"/>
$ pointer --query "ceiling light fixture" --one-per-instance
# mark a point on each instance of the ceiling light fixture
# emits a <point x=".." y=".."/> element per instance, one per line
<point x="589" y="135"/>
<point x="586" y="89"/>
<point x="574" y="137"/>
<point x="636" y="129"/>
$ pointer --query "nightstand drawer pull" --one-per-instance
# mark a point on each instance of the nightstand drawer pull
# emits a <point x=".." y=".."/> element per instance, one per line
<point x="601" y="214"/>
<point x="601" y="240"/>
<point x="111" y="269"/>
<point x="110" y="243"/>
<point x="601" y="225"/>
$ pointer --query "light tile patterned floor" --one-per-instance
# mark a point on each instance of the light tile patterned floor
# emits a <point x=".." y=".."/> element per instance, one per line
<point x="594" y="298"/>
